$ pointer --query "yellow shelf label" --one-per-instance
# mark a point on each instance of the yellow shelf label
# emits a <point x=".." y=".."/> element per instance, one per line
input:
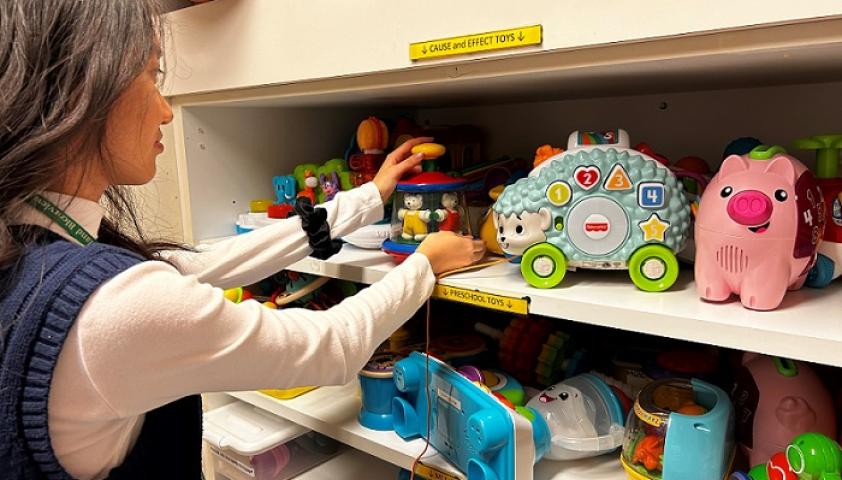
<point x="477" y="42"/>
<point x="431" y="473"/>
<point x="288" y="393"/>
<point x="519" y="306"/>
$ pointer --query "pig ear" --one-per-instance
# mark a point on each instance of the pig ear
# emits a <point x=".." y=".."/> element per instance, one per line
<point x="733" y="164"/>
<point x="546" y="218"/>
<point x="782" y="166"/>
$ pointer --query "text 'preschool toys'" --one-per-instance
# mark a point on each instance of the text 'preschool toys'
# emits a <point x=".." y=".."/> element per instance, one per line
<point x="809" y="456"/>
<point x="760" y="222"/>
<point x="598" y="205"/>
<point x="426" y="203"/>
<point x="489" y="440"/>
<point x="829" y="261"/>
<point x="679" y="430"/>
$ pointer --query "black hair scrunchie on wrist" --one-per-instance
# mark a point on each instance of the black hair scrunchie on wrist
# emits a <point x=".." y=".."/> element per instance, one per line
<point x="314" y="222"/>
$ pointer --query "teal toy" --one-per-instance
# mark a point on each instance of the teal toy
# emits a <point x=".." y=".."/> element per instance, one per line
<point x="679" y="430"/>
<point x="468" y="426"/>
<point x="285" y="189"/>
<point x="599" y="205"/>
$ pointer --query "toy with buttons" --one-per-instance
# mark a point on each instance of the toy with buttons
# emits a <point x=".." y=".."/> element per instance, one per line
<point x="760" y="223"/>
<point x="598" y="205"/>
<point x="829" y="261"/>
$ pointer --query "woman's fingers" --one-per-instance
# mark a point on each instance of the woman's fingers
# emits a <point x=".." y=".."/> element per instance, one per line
<point x="403" y="151"/>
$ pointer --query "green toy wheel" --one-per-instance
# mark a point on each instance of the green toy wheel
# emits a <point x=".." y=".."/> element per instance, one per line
<point x="653" y="268"/>
<point x="543" y="265"/>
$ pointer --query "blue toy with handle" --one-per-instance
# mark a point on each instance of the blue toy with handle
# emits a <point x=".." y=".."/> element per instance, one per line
<point x="468" y="426"/>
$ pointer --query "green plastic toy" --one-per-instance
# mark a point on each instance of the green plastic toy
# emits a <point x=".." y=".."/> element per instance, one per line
<point x="758" y="472"/>
<point x="319" y="173"/>
<point x="827" y="149"/>
<point x="813" y="456"/>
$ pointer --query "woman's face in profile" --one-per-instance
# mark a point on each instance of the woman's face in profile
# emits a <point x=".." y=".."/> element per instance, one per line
<point x="133" y="128"/>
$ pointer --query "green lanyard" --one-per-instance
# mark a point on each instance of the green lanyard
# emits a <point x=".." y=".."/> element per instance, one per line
<point x="63" y="220"/>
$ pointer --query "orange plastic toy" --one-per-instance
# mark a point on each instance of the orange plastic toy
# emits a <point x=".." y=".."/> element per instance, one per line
<point x="544" y="152"/>
<point x="649" y="452"/>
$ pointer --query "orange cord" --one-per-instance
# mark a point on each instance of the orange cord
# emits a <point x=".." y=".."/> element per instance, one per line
<point x="427" y="356"/>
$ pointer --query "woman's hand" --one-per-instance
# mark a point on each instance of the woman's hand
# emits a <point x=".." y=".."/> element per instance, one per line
<point x="397" y="164"/>
<point x="447" y="251"/>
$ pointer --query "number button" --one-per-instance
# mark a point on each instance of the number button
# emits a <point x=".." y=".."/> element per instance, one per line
<point x="651" y="195"/>
<point x="618" y="179"/>
<point x="559" y="193"/>
<point x="808" y="217"/>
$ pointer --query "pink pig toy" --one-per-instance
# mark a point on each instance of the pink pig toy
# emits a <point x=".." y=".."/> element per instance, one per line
<point x="760" y="221"/>
<point x="776" y="399"/>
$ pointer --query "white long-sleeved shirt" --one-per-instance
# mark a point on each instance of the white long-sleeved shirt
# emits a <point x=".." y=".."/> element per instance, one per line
<point x="155" y="332"/>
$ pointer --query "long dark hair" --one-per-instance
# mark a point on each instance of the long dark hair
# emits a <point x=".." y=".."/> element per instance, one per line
<point x="63" y="63"/>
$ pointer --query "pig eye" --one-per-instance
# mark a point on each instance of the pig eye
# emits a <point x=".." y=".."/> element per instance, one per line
<point x="780" y="195"/>
<point x="563" y="395"/>
<point x="519" y="229"/>
<point x="501" y="229"/>
<point x="726" y="191"/>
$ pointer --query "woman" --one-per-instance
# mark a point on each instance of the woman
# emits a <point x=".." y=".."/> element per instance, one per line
<point x="108" y="338"/>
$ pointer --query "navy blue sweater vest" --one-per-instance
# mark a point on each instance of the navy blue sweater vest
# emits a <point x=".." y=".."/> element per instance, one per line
<point x="40" y="298"/>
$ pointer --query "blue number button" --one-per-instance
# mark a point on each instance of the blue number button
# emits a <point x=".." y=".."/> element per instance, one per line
<point x="651" y="195"/>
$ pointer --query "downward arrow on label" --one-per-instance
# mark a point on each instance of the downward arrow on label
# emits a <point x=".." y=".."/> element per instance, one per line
<point x="424" y="50"/>
<point x="520" y="36"/>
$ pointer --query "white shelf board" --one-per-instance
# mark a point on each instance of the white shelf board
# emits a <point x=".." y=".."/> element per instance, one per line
<point x="332" y="411"/>
<point x="351" y="463"/>
<point x="806" y="326"/>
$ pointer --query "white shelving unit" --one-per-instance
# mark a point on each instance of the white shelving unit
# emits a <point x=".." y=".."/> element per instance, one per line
<point x="279" y="90"/>
<point x="332" y="411"/>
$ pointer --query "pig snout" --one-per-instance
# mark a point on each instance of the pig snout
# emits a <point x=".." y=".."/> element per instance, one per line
<point x="750" y="208"/>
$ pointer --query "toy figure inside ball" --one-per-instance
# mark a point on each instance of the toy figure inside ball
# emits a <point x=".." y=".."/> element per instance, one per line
<point x="426" y="203"/>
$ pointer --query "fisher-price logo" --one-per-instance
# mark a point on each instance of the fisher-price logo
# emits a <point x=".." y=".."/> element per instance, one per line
<point x="597" y="226"/>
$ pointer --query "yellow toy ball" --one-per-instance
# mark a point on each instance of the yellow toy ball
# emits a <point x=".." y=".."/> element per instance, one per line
<point x="270" y="305"/>
<point x="430" y="150"/>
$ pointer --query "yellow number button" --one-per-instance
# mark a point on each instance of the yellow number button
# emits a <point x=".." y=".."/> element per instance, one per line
<point x="559" y="193"/>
